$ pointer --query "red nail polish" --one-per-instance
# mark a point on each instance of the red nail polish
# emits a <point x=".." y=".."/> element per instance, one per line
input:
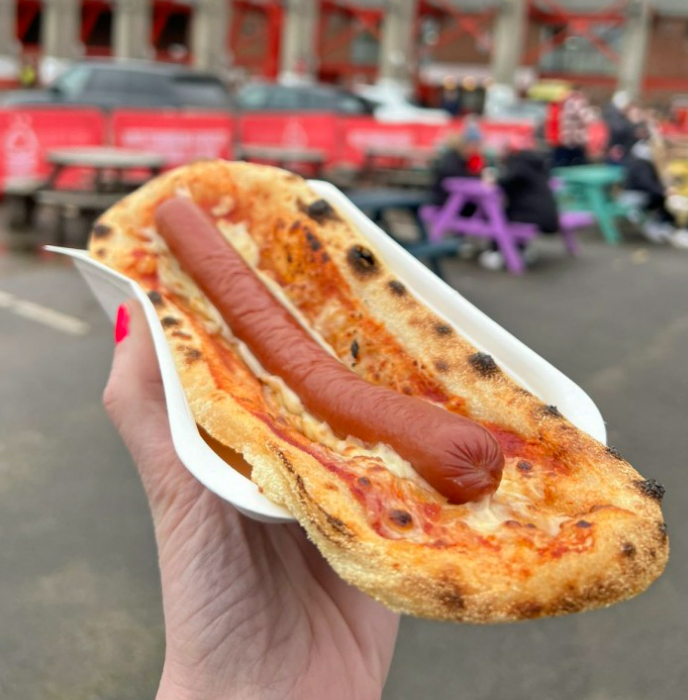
<point x="121" y="324"/>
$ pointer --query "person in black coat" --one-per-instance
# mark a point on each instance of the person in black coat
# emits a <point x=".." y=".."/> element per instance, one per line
<point x="525" y="180"/>
<point x="642" y="176"/>
<point x="623" y="133"/>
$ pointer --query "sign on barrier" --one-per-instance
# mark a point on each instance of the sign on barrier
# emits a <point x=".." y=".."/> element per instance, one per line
<point x="180" y="136"/>
<point x="27" y="134"/>
<point x="317" y="131"/>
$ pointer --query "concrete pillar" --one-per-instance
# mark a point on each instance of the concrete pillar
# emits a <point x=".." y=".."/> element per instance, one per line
<point x="61" y="29"/>
<point x="209" y="34"/>
<point x="131" y="29"/>
<point x="507" y="41"/>
<point x="9" y="47"/>
<point x="634" y="47"/>
<point x="397" y="52"/>
<point x="298" y="60"/>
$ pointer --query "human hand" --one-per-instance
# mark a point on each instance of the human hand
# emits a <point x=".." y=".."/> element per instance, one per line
<point x="251" y="610"/>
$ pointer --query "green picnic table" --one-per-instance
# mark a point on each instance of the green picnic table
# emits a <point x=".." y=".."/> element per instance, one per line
<point x="589" y="188"/>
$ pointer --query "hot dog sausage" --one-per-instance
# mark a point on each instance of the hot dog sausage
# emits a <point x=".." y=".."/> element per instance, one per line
<point x="455" y="455"/>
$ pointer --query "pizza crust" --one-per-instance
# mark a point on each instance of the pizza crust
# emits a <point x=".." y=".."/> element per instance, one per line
<point x="611" y="542"/>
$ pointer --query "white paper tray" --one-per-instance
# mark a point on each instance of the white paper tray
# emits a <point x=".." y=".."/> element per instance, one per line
<point x="523" y="364"/>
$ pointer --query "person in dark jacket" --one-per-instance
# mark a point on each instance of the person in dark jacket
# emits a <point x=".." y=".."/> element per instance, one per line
<point x="461" y="157"/>
<point x="643" y="177"/>
<point x="525" y="180"/>
<point x="623" y="132"/>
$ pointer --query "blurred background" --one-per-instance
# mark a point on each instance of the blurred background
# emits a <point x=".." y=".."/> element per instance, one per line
<point x="533" y="153"/>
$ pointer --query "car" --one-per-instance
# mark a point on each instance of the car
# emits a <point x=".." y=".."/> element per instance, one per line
<point x="277" y="97"/>
<point x="109" y="84"/>
<point x="391" y="104"/>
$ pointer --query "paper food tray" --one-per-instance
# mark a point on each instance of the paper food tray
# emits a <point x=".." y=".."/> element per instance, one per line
<point x="523" y="364"/>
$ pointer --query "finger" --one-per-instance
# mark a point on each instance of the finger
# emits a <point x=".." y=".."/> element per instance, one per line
<point x="135" y="401"/>
<point x="135" y="384"/>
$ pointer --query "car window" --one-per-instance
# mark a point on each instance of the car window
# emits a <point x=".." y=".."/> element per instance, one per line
<point x="147" y="87"/>
<point x="107" y="81"/>
<point x="286" y="98"/>
<point x="201" y="92"/>
<point x="318" y="99"/>
<point x="350" y="104"/>
<point x="254" y="97"/>
<point x="73" y="82"/>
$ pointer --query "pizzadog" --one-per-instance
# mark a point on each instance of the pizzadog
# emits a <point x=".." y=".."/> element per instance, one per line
<point x="455" y="455"/>
<point x="425" y="475"/>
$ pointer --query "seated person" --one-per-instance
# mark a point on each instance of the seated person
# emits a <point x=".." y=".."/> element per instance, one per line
<point x="525" y="180"/>
<point x="643" y="177"/>
<point x="461" y="157"/>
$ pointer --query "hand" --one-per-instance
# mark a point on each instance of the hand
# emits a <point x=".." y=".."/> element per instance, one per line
<point x="251" y="610"/>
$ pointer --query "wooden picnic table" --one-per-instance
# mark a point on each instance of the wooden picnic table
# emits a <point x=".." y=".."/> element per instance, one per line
<point x="589" y="188"/>
<point x="283" y="156"/>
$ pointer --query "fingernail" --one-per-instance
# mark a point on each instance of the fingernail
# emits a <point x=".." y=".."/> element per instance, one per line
<point x="121" y="324"/>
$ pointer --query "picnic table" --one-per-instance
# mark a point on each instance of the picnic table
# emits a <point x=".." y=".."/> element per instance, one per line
<point x="283" y="156"/>
<point x="108" y="182"/>
<point x="488" y="220"/>
<point x="589" y="188"/>
<point x="399" y="165"/>
<point x="376" y="202"/>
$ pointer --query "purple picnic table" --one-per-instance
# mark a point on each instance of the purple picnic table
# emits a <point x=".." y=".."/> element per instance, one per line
<point x="489" y="220"/>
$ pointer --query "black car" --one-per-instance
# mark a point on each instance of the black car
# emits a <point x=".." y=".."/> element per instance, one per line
<point x="131" y="84"/>
<point x="273" y="97"/>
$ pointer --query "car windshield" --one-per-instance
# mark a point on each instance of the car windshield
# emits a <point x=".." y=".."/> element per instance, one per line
<point x="202" y="92"/>
<point x="73" y="82"/>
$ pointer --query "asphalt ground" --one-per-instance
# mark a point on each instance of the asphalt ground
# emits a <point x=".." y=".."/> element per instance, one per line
<point x="80" y="613"/>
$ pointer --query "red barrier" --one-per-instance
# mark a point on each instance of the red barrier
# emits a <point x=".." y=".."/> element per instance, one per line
<point x="26" y="134"/>
<point x="359" y="133"/>
<point x="180" y="136"/>
<point x="291" y="130"/>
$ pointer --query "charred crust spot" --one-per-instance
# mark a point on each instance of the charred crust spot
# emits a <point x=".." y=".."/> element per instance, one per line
<point x="524" y="466"/>
<point x="614" y="453"/>
<point x="296" y="225"/>
<point x="397" y="288"/>
<point x="442" y="329"/>
<point x="584" y="524"/>
<point x="552" y="411"/>
<point x="441" y="365"/>
<point x="362" y="261"/>
<point x="156" y="298"/>
<point x="320" y="211"/>
<point x="181" y="334"/>
<point x="527" y="610"/>
<point x="484" y="364"/>
<point x="101" y="231"/>
<point x="325" y="257"/>
<point x="313" y="243"/>
<point x="452" y="599"/>
<point x="400" y="518"/>
<point x="663" y="531"/>
<point x="512" y="523"/>
<point x="192" y="354"/>
<point x="531" y="526"/>
<point x="651" y="488"/>
<point x="101" y="252"/>
<point x="363" y="481"/>
<point x="354" y="349"/>
<point x="169" y="321"/>
<point x="628" y="550"/>
<point x="407" y="390"/>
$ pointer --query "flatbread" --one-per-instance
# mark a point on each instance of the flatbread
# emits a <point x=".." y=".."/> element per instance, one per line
<point x="572" y="526"/>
